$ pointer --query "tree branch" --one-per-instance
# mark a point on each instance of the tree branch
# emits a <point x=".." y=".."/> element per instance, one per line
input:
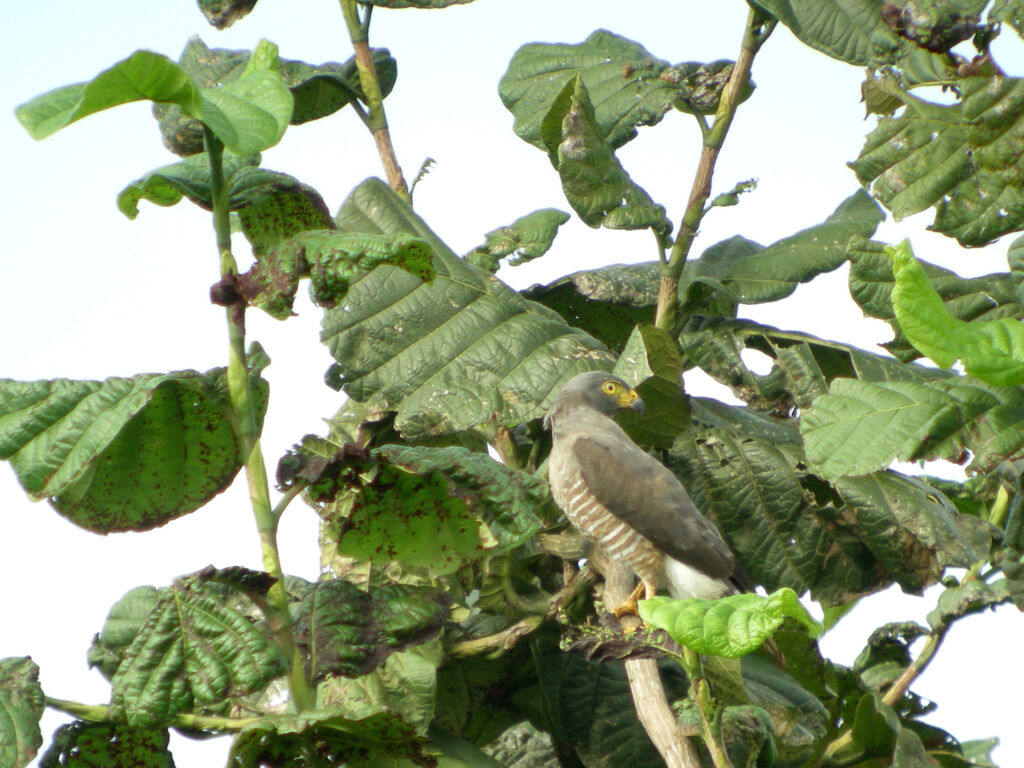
<point x="645" y="683"/>
<point x="756" y="32"/>
<point x="375" y="119"/>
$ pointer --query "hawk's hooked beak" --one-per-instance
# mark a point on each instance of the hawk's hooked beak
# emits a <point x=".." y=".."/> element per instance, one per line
<point x="631" y="400"/>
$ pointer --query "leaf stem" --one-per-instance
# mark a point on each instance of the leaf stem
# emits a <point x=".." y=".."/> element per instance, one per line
<point x="246" y="425"/>
<point x="375" y="119"/>
<point x="756" y="32"/>
<point x="100" y="713"/>
<point x="710" y="721"/>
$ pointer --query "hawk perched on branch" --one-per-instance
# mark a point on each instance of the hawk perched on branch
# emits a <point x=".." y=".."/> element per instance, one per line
<point x="627" y="502"/>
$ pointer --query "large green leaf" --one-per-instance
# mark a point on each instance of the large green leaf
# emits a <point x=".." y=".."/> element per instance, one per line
<point x="752" y="274"/>
<point x="651" y="363"/>
<point x="594" y="182"/>
<point x="628" y="86"/>
<point x="332" y="260"/>
<point x="848" y="30"/>
<point x="984" y="298"/>
<point x="196" y="648"/>
<point x="860" y="426"/>
<point x="318" y="90"/>
<point x="992" y="351"/>
<point x="124" y="621"/>
<point x="732" y="626"/>
<point x="606" y="303"/>
<point x="325" y="737"/>
<point x="190" y="178"/>
<point x="108" y="744"/>
<point x="802" y="365"/>
<point x="404" y="685"/>
<point x="529" y="237"/>
<point x="248" y="114"/>
<point x="460" y="352"/>
<point x="21" y="705"/>
<point x="789" y="529"/>
<point x="342" y="630"/>
<point x="123" y="454"/>
<point x="434" y="508"/>
<point x="957" y="158"/>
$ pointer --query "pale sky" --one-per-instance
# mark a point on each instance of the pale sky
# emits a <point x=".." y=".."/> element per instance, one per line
<point x="90" y="294"/>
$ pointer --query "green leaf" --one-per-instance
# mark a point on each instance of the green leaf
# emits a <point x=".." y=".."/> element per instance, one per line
<point x="404" y="685"/>
<point x="194" y="649"/>
<point x="992" y="351"/>
<point x="802" y="367"/>
<point x="984" y="298"/>
<point x="971" y="596"/>
<point x="628" y="85"/>
<point x="188" y="178"/>
<point x="107" y="744"/>
<point x="979" y="751"/>
<point x="124" y="621"/>
<point x="651" y="363"/>
<point x="955" y="158"/>
<point x="142" y="76"/>
<point x="273" y="207"/>
<point x="325" y="737"/>
<point x="875" y="726"/>
<point x="460" y="352"/>
<point x="529" y="237"/>
<point x="753" y="274"/>
<point x="342" y="630"/>
<point x="248" y="114"/>
<point x="595" y="184"/>
<point x="21" y="705"/>
<point x="332" y="260"/>
<point x="606" y="303"/>
<point x="436" y="508"/>
<point x="849" y="30"/>
<point x="321" y="90"/>
<point x="123" y="454"/>
<point x="732" y="626"/>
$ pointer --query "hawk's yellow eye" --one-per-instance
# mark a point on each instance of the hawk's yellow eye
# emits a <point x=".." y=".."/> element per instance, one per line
<point x="610" y="387"/>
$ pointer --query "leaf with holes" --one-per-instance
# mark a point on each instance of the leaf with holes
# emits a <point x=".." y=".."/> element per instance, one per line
<point x="194" y="649"/>
<point x="435" y="508"/>
<point x="957" y="159"/>
<point x="342" y="630"/>
<point x="461" y="352"/>
<point x="123" y="454"/>
<point x="527" y="238"/>
<point x="87" y="744"/>
<point x="628" y="85"/>
<point x="21" y="705"/>
<point x="607" y="302"/>
<point x="326" y="738"/>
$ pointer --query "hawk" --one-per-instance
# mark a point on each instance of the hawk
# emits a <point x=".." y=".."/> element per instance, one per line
<point x="627" y="502"/>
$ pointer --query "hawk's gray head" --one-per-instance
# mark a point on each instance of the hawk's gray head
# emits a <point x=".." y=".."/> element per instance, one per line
<point x="601" y="391"/>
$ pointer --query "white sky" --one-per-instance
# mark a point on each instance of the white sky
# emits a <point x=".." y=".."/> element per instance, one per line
<point x="89" y="294"/>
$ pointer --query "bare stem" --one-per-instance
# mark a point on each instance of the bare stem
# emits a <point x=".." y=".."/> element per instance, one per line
<point x="756" y="32"/>
<point x="375" y="118"/>
<point x="100" y="713"/>
<point x="645" y="683"/>
<point x="247" y="431"/>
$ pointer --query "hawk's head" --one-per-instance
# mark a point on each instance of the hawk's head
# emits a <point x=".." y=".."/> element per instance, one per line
<point x="601" y="391"/>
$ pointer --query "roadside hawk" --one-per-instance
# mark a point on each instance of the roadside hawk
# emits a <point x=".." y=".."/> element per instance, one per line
<point x="627" y="502"/>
